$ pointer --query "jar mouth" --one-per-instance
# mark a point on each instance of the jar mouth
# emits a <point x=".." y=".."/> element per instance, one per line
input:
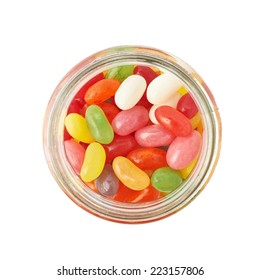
<point x="74" y="187"/>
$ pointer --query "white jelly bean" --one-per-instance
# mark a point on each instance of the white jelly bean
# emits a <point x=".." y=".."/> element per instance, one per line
<point x="162" y="88"/>
<point x="171" y="102"/>
<point x="130" y="92"/>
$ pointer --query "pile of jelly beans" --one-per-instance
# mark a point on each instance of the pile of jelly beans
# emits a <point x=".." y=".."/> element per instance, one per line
<point x="133" y="133"/>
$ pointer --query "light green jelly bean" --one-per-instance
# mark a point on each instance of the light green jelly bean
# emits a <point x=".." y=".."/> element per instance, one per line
<point x="98" y="125"/>
<point x="166" y="179"/>
<point x="120" y="73"/>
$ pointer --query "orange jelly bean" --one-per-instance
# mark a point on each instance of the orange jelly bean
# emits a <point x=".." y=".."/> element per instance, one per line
<point x="124" y="194"/>
<point x="101" y="91"/>
<point x="148" y="158"/>
<point x="129" y="174"/>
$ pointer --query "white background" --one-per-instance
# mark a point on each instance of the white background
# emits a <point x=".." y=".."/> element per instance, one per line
<point x="41" y="229"/>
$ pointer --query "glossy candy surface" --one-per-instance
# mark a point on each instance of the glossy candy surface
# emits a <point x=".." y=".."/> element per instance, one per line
<point x="183" y="150"/>
<point x="172" y="102"/>
<point x="101" y="91"/>
<point x="93" y="163"/>
<point x="173" y="120"/>
<point x="120" y="73"/>
<point x="130" y="120"/>
<point x="148" y="158"/>
<point x="77" y="127"/>
<point x="129" y="174"/>
<point x="109" y="109"/>
<point x="133" y="133"/>
<point x="75" y="154"/>
<point x="187" y="106"/>
<point x="130" y="92"/>
<point x="98" y="124"/>
<point x="107" y="183"/>
<point x="124" y="194"/>
<point x="162" y="88"/>
<point x="153" y="136"/>
<point x="120" y="146"/>
<point x="166" y="179"/>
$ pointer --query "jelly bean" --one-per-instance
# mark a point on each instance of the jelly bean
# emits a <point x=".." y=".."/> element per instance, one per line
<point x="93" y="163"/>
<point x="173" y="120"/>
<point x="145" y="72"/>
<point x="187" y="106"/>
<point x="77" y="127"/>
<point x="130" y="92"/>
<point x="120" y="73"/>
<point x="130" y="120"/>
<point x="129" y="174"/>
<point x="107" y="183"/>
<point x="153" y="136"/>
<point x="75" y="154"/>
<point x="162" y="88"/>
<point x="195" y="120"/>
<point x="120" y="146"/>
<point x="166" y="179"/>
<point x="66" y="135"/>
<point x="98" y="124"/>
<point x="101" y="91"/>
<point x="200" y="127"/>
<point x="110" y="110"/>
<point x="183" y="150"/>
<point x="81" y="93"/>
<point x="124" y="194"/>
<point x="185" y="172"/>
<point x="172" y="102"/>
<point x="76" y="106"/>
<point x="148" y="158"/>
<point x="182" y="91"/>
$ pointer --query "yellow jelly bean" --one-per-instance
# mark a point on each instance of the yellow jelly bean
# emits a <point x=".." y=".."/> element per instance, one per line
<point x="182" y="91"/>
<point x="94" y="161"/>
<point x="185" y="172"/>
<point x="129" y="174"/>
<point x="195" y="120"/>
<point x="77" y="128"/>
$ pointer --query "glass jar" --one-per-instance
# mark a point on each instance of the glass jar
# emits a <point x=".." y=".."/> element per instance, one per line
<point x="70" y="182"/>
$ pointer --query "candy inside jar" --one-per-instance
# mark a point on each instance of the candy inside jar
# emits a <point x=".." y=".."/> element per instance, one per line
<point x="133" y="133"/>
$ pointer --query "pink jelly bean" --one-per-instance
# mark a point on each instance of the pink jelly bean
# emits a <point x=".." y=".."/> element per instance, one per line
<point x="187" y="106"/>
<point x="75" y="154"/>
<point x="128" y="121"/>
<point x="153" y="136"/>
<point x="183" y="150"/>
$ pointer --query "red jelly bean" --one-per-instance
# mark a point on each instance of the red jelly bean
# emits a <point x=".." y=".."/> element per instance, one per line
<point x="145" y="72"/>
<point x="148" y="75"/>
<point x="120" y="146"/>
<point x="125" y="194"/>
<point x="148" y="158"/>
<point x="173" y="120"/>
<point x="187" y="106"/>
<point x="153" y="136"/>
<point x="101" y="91"/>
<point x="75" y="154"/>
<point x="110" y="110"/>
<point x="128" y="121"/>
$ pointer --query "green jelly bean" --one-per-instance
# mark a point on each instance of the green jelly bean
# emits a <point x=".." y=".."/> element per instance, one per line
<point x="166" y="179"/>
<point x="98" y="125"/>
<point x="120" y="73"/>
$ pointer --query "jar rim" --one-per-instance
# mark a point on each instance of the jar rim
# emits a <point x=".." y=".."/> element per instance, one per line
<point x="72" y="185"/>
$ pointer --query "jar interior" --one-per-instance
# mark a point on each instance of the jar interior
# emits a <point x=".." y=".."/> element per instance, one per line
<point x="85" y="193"/>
